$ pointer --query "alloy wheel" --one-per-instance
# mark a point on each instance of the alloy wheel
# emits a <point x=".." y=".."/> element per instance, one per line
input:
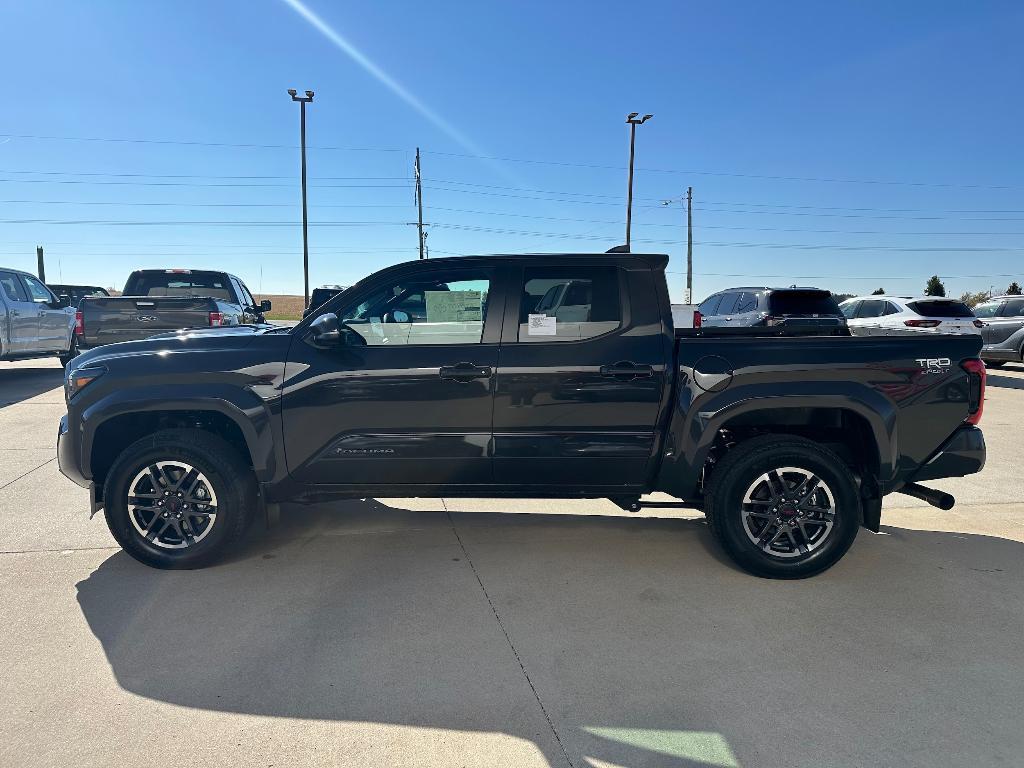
<point x="788" y="512"/>
<point x="172" y="504"/>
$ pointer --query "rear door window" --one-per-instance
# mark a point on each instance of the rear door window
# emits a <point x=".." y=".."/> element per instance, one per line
<point x="729" y="302"/>
<point x="799" y="302"/>
<point x="849" y="309"/>
<point x="12" y="287"/>
<point x="197" y="284"/>
<point x="747" y="302"/>
<point x="986" y="310"/>
<point x="1013" y="308"/>
<point x="560" y="304"/>
<point x="941" y="308"/>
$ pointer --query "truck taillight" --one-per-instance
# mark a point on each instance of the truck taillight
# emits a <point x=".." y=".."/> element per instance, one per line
<point x="79" y="323"/>
<point x="922" y="323"/>
<point x="698" y="318"/>
<point x="216" y="318"/>
<point x="975" y="389"/>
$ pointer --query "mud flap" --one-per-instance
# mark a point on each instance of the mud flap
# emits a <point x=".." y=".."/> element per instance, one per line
<point x="872" y="513"/>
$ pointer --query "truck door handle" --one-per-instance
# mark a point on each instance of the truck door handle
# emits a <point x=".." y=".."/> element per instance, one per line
<point x="15" y="313"/>
<point x="627" y="370"/>
<point x="464" y="372"/>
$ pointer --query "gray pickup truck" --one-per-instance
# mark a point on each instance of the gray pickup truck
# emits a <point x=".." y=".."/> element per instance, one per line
<point x="33" y="321"/>
<point x="161" y="300"/>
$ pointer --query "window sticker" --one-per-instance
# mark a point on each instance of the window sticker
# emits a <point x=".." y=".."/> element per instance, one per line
<point x="453" y="306"/>
<point x="541" y="325"/>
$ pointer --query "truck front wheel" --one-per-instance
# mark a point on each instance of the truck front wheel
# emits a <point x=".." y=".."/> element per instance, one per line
<point x="783" y="507"/>
<point x="178" y="498"/>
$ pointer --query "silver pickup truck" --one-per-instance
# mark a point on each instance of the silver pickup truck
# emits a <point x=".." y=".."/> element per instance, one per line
<point x="33" y="321"/>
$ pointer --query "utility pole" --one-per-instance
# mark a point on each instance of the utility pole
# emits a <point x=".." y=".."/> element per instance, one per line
<point x="40" y="266"/>
<point x="689" y="245"/>
<point x="631" y="118"/>
<point x="303" y="100"/>
<point x="419" y="204"/>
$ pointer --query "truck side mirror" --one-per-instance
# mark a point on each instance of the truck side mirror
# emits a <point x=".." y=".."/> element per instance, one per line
<point x="265" y="305"/>
<point x="63" y="301"/>
<point x="325" y="331"/>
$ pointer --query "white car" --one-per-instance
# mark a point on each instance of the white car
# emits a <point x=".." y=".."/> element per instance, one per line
<point x="897" y="315"/>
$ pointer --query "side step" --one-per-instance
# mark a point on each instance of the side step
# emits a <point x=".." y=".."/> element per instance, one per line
<point x="932" y="496"/>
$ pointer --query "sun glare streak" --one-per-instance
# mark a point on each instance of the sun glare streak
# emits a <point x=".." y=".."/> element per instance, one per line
<point x="383" y="77"/>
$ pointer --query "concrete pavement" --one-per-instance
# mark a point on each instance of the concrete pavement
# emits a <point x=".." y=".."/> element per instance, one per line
<point x="449" y="632"/>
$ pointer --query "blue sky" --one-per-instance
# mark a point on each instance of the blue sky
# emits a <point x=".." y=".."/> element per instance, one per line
<point x="847" y="145"/>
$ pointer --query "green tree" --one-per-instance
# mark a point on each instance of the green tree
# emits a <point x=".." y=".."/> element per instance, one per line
<point x="974" y="299"/>
<point x="1014" y="289"/>
<point x="934" y="287"/>
<point x="878" y="292"/>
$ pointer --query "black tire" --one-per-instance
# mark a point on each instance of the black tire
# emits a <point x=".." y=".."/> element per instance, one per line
<point x="232" y="486"/>
<point x="71" y="354"/>
<point x="994" y="363"/>
<point x="742" y="468"/>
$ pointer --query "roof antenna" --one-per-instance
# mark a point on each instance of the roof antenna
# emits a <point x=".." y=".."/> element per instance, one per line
<point x="618" y="249"/>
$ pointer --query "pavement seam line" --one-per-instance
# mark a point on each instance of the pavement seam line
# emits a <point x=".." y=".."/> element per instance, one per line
<point x="508" y="638"/>
<point x="19" y="477"/>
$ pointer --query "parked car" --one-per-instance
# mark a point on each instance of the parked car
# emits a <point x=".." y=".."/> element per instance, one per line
<point x="1002" y="330"/>
<point x="33" y="321"/>
<point x="789" y="443"/>
<point x="321" y="295"/>
<point x="159" y="300"/>
<point x="782" y="311"/>
<point x="76" y="293"/>
<point x="891" y="315"/>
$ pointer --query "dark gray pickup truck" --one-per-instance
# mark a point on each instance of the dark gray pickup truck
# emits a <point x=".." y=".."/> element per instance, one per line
<point x="159" y="300"/>
<point x="464" y="377"/>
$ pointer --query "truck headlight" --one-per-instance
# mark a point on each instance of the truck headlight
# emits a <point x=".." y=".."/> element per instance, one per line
<point x="79" y="379"/>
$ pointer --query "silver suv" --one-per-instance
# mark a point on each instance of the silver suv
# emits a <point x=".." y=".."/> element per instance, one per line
<point x="1003" y="330"/>
<point x="33" y="322"/>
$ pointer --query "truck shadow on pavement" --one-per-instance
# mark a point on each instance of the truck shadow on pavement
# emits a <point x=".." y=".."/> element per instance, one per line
<point x="1009" y="382"/>
<point x="20" y="384"/>
<point x="624" y="636"/>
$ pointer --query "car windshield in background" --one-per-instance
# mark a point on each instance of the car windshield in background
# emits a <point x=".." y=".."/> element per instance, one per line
<point x="210" y="284"/>
<point x="802" y="303"/>
<point x="941" y="308"/>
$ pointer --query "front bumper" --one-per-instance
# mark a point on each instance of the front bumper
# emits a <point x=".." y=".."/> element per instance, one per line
<point x="69" y="454"/>
<point x="962" y="454"/>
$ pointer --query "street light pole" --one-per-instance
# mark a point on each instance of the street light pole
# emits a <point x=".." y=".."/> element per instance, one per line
<point x="303" y="100"/>
<point x="631" y="118"/>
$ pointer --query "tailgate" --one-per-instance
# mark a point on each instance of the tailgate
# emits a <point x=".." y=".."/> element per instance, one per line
<point x="129" y="318"/>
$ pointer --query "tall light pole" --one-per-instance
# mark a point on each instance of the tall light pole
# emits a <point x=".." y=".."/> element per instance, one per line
<point x="633" y="121"/>
<point x="303" y="100"/>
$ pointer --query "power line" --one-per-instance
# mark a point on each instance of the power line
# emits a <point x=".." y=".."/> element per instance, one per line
<point x="192" y="143"/>
<point x="196" y="184"/>
<point x="732" y="174"/>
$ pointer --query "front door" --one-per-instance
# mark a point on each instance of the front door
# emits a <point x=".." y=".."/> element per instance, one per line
<point x="406" y="397"/>
<point x="580" y="379"/>
<point x="54" y="321"/>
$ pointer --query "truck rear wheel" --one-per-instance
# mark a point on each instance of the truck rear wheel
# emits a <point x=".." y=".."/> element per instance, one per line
<point x="178" y="498"/>
<point x="783" y="507"/>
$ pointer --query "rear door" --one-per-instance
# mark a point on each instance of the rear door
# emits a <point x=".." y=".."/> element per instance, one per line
<point x="22" y="315"/>
<point x="54" y="323"/>
<point x="987" y="313"/>
<point x="1007" y="322"/>
<point x="579" y="387"/>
